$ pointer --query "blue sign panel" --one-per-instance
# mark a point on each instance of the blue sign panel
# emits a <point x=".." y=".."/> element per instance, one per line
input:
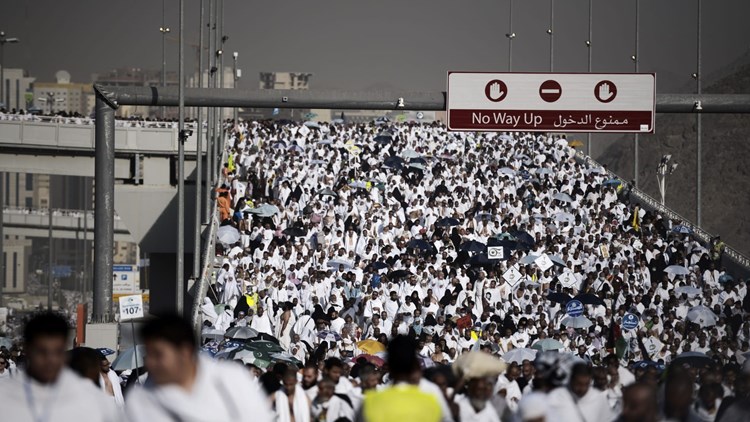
<point x="630" y="321"/>
<point x="574" y="308"/>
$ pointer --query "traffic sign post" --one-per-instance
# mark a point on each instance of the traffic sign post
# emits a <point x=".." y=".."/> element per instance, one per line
<point x="630" y="321"/>
<point x="131" y="307"/>
<point x="551" y="102"/>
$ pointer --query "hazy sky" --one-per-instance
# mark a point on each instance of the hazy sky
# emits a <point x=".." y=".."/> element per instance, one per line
<point x="358" y="44"/>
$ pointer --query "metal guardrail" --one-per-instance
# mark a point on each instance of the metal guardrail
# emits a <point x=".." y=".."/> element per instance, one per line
<point x="732" y="254"/>
<point x="200" y="289"/>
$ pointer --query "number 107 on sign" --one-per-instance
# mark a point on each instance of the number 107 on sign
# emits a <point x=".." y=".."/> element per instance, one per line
<point x="131" y="307"/>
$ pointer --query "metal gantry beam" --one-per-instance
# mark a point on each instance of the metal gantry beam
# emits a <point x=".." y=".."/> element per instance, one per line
<point x="109" y="98"/>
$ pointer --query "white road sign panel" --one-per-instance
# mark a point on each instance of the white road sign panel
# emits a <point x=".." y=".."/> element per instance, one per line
<point x="551" y="102"/>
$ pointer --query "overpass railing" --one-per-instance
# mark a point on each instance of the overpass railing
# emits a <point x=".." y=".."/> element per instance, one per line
<point x="60" y="134"/>
<point x="740" y="261"/>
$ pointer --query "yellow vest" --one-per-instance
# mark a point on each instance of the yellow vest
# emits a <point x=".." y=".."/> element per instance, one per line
<point x="401" y="403"/>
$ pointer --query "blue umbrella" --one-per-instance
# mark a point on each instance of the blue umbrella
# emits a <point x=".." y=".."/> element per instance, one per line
<point x="683" y="229"/>
<point x="379" y="265"/>
<point x="725" y="278"/>
<point x="383" y="139"/>
<point x="612" y="182"/>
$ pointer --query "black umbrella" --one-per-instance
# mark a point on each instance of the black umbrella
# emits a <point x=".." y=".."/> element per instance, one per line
<point x="481" y="260"/>
<point x="447" y="222"/>
<point x="473" y="246"/>
<point x="295" y="231"/>
<point x="394" y="161"/>
<point x="694" y="359"/>
<point x="509" y="244"/>
<point x="589" y="299"/>
<point x="383" y="139"/>
<point x="559" y="297"/>
<point x="419" y="244"/>
<point x="398" y="274"/>
<point x="524" y="239"/>
<point x="263" y="336"/>
<point x="418" y="160"/>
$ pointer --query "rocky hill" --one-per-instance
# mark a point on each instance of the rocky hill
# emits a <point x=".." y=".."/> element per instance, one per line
<point x="726" y="162"/>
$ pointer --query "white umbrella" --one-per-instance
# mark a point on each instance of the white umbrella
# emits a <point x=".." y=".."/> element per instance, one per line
<point x="335" y="263"/>
<point x="562" y="197"/>
<point x="688" y="290"/>
<point x="507" y="170"/>
<point x="213" y="333"/>
<point x="676" y="270"/>
<point x="242" y="333"/>
<point x="410" y="153"/>
<point x="519" y="355"/>
<point x="228" y="235"/>
<point x="577" y="322"/>
<point x="544" y="170"/>
<point x="702" y="316"/>
<point x="565" y="216"/>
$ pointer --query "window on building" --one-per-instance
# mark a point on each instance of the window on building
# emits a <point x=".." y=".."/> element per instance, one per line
<point x="29" y="181"/>
<point x="29" y="202"/>
<point x="15" y="270"/>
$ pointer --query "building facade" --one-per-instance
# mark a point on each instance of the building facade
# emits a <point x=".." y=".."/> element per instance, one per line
<point x="17" y="88"/>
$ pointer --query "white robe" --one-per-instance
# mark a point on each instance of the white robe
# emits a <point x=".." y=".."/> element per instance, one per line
<point x="592" y="407"/>
<point x="223" y="321"/>
<point x="70" y="398"/>
<point x="116" y="389"/>
<point x="300" y="406"/>
<point x="262" y="324"/>
<point x="467" y="412"/>
<point x="222" y="392"/>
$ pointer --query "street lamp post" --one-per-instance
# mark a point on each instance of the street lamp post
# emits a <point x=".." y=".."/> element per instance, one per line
<point x="4" y="40"/>
<point x="235" y="77"/>
<point x="164" y="31"/>
<point x="510" y="35"/>
<point x="50" y="100"/>
<point x="662" y="171"/>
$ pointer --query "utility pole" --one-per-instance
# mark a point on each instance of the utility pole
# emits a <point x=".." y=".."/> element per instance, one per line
<point x="199" y="157"/>
<point x="210" y="111"/>
<point x="588" y="45"/>
<point x="181" y="168"/>
<point x="2" y="236"/>
<point x="50" y="257"/>
<point x="636" y="59"/>
<point x="698" y="128"/>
